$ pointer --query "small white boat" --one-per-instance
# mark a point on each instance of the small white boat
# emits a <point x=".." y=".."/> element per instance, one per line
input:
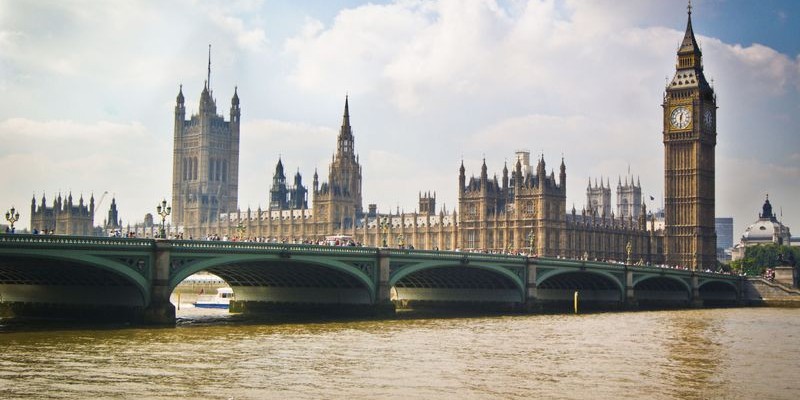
<point x="220" y="300"/>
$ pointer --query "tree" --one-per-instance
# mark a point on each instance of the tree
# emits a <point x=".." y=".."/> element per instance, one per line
<point x="760" y="257"/>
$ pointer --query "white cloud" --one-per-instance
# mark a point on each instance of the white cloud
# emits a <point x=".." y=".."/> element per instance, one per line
<point x="584" y="79"/>
<point x="44" y="157"/>
<point x="431" y="82"/>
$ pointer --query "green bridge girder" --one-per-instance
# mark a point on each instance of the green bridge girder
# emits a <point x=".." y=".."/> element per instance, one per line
<point x="156" y="267"/>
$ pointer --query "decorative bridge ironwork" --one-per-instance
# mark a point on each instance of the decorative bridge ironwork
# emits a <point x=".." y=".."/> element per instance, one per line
<point x="65" y="275"/>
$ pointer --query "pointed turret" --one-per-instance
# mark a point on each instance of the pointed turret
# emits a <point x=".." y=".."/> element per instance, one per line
<point x="298" y="179"/>
<point x="207" y="104"/>
<point x="505" y="176"/>
<point x="562" y="175"/>
<point x="540" y="168"/>
<point x="766" y="210"/>
<point x="462" y="178"/>
<point x="180" y="99"/>
<point x="236" y="112"/>
<point x="689" y="67"/>
<point x="278" y="192"/>
<point x="346" y="115"/>
<point x="689" y="44"/>
<point x="345" y="140"/>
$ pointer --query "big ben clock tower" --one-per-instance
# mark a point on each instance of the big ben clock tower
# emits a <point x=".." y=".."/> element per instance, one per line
<point x="690" y="137"/>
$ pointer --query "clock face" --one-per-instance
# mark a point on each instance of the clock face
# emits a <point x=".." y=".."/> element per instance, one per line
<point x="708" y="118"/>
<point x="680" y="117"/>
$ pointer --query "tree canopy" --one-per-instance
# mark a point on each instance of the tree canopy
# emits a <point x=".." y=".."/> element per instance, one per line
<point x="758" y="258"/>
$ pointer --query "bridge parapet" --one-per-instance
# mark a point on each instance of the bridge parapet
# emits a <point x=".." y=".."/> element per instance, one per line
<point x="454" y="255"/>
<point x="72" y="242"/>
<point x="202" y="246"/>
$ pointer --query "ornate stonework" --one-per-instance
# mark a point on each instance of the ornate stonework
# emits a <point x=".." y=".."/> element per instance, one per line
<point x="64" y="218"/>
<point x="205" y="164"/>
<point x="524" y="211"/>
<point x="690" y="137"/>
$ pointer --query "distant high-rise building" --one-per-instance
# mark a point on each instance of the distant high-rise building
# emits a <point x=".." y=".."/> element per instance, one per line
<point x="724" y="227"/>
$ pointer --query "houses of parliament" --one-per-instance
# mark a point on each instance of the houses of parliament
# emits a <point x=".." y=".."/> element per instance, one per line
<point x="524" y="210"/>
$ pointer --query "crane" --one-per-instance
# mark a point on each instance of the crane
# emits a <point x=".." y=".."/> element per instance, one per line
<point x="99" y="203"/>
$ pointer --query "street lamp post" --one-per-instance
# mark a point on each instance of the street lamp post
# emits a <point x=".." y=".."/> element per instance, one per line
<point x="12" y="216"/>
<point x="240" y="229"/>
<point x="532" y="238"/>
<point x="163" y="210"/>
<point x="628" y="250"/>
<point x="401" y="241"/>
<point x="385" y="230"/>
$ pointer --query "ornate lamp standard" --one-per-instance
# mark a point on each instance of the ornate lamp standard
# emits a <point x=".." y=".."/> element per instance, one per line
<point x="385" y="230"/>
<point x="628" y="249"/>
<point x="532" y="238"/>
<point x="163" y="210"/>
<point x="241" y="229"/>
<point x="401" y="241"/>
<point x="12" y="216"/>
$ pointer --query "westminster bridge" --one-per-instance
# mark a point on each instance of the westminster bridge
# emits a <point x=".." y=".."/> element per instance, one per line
<point x="132" y="279"/>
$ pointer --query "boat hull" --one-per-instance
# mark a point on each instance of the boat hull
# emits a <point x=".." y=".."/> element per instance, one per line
<point x="207" y="305"/>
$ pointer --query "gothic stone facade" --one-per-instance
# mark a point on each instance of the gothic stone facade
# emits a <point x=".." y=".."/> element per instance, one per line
<point x="64" y="217"/>
<point x="689" y="140"/>
<point x="205" y="163"/>
<point x="524" y="211"/>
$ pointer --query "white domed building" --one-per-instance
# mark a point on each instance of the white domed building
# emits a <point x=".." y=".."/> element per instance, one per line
<point x="767" y="229"/>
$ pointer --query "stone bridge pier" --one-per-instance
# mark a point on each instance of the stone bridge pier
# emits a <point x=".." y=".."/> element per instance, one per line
<point x="160" y="311"/>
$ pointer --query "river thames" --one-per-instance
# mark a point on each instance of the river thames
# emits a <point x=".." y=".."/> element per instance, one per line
<point x="743" y="353"/>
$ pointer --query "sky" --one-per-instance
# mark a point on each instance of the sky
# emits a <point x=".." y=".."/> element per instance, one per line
<point x="87" y="92"/>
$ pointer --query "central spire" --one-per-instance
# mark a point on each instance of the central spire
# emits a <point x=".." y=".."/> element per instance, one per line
<point x="346" y="116"/>
<point x="345" y="145"/>
<point x="689" y="44"/>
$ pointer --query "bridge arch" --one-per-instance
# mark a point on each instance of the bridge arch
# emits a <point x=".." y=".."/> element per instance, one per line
<point x="718" y="283"/>
<point x="279" y="279"/>
<point x="594" y="286"/>
<point x="657" y="290"/>
<point x="449" y="281"/>
<point x="718" y="292"/>
<point x="665" y="281"/>
<point x="72" y="285"/>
